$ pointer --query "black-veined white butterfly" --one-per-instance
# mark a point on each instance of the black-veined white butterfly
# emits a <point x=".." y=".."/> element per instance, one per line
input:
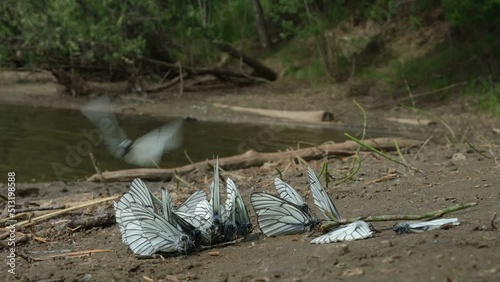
<point x="190" y="203"/>
<point x="279" y="217"/>
<point x="167" y="207"/>
<point x="139" y="193"/>
<point x="349" y="232"/>
<point x="241" y="217"/>
<point x="215" y="197"/>
<point x="146" y="233"/>
<point x="140" y="197"/>
<point x="321" y="198"/>
<point x="229" y="216"/>
<point x="289" y="194"/>
<point x="146" y="150"/>
<point x="421" y="226"/>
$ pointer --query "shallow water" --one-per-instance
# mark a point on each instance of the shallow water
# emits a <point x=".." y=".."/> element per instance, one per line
<point x="42" y="144"/>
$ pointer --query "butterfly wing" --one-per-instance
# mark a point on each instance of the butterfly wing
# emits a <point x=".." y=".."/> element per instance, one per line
<point x="350" y="232"/>
<point x="289" y="194"/>
<point x="167" y="207"/>
<point x="99" y="113"/>
<point x="421" y="226"/>
<point x="190" y="204"/>
<point x="148" y="149"/>
<point x="141" y="194"/>
<point x="163" y="236"/>
<point x="146" y="232"/>
<point x="192" y="225"/>
<point x="214" y="231"/>
<point x="204" y="211"/>
<point x="321" y="198"/>
<point x="229" y="210"/>
<point x="215" y="192"/>
<point x="241" y="217"/>
<point x="229" y="215"/>
<point x="279" y="217"/>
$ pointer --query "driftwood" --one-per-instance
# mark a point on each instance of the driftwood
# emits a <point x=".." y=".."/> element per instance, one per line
<point x="253" y="158"/>
<point x="301" y="116"/>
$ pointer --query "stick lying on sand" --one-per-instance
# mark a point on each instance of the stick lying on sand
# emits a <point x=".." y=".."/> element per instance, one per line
<point x="326" y="227"/>
<point x="253" y="158"/>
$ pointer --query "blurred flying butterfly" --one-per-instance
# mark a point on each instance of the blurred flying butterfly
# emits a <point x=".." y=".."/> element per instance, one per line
<point x="289" y="194"/>
<point x="321" y="199"/>
<point x="146" y="150"/>
<point x="349" y="232"/>
<point x="421" y="226"/>
<point x="280" y="217"/>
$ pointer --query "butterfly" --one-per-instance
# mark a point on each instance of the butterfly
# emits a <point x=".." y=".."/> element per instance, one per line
<point x="289" y="194"/>
<point x="190" y="203"/>
<point x="321" y="199"/>
<point x="421" y="226"/>
<point x="349" y="232"/>
<point x="142" y="228"/>
<point x="146" y="233"/>
<point x="146" y="150"/>
<point x="139" y="193"/>
<point x="240" y="214"/>
<point x="277" y="216"/>
<point x="215" y="210"/>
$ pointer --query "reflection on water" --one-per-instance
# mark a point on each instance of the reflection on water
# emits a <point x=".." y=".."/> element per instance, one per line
<point x="35" y="140"/>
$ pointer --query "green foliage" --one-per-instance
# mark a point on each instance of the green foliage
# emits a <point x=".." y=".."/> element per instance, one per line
<point x="485" y="93"/>
<point x="114" y="34"/>
<point x="111" y="36"/>
<point x="471" y="13"/>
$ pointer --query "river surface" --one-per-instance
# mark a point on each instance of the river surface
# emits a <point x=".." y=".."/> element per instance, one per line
<point x="45" y="144"/>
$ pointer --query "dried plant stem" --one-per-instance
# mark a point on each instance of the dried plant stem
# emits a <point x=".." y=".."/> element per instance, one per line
<point x="370" y="148"/>
<point x="376" y="218"/>
<point x="35" y="220"/>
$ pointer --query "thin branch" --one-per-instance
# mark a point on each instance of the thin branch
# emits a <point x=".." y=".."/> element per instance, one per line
<point x="35" y="220"/>
<point x="377" y="218"/>
<point x="423" y="145"/>
<point x="99" y="172"/>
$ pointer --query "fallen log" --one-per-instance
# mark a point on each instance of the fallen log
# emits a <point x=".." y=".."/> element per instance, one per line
<point x="252" y="158"/>
<point x="301" y="116"/>
<point x="260" y="70"/>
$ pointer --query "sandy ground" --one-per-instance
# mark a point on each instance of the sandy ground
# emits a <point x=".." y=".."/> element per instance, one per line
<point x="453" y="172"/>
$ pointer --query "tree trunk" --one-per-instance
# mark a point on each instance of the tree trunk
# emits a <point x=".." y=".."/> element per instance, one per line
<point x="260" y="24"/>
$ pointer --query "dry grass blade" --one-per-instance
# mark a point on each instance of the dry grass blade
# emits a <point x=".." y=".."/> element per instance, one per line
<point x="370" y="148"/>
<point x="56" y="213"/>
<point x="71" y="255"/>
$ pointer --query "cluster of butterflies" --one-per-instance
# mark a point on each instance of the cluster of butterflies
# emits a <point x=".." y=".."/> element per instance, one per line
<point x="149" y="225"/>
<point x="290" y="214"/>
